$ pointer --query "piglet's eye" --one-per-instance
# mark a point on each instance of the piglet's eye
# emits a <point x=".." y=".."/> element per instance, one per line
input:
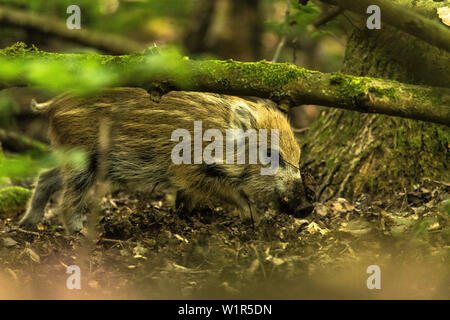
<point x="281" y="161"/>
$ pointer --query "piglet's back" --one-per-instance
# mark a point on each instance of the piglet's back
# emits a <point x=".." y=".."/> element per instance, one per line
<point x="74" y="121"/>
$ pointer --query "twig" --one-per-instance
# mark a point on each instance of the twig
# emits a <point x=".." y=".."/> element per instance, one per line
<point x="260" y="261"/>
<point x="328" y="17"/>
<point x="284" y="37"/>
<point x="442" y="182"/>
<point x="301" y="130"/>
<point x="28" y="232"/>
<point x="117" y="241"/>
<point x="351" y="22"/>
<point x="294" y="50"/>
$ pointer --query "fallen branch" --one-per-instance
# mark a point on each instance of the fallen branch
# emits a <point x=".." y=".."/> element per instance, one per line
<point x="55" y="27"/>
<point x="34" y="233"/>
<point x="281" y="82"/>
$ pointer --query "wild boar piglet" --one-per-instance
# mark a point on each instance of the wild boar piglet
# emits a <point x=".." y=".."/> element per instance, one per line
<point x="204" y="147"/>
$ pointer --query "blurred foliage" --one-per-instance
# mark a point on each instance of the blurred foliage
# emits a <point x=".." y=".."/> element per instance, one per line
<point x="86" y="74"/>
<point x="57" y="76"/>
<point x="318" y="48"/>
<point x="8" y="108"/>
<point x="167" y="22"/>
<point x="300" y="17"/>
<point x="13" y="199"/>
<point x="29" y="165"/>
<point x="121" y="16"/>
<point x="52" y="76"/>
<point x="301" y="20"/>
<point x="445" y="206"/>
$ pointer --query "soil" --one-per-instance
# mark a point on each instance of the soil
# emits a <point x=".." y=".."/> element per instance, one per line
<point x="142" y="249"/>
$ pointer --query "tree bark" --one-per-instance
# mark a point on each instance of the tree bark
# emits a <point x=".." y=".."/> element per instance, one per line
<point x="356" y="153"/>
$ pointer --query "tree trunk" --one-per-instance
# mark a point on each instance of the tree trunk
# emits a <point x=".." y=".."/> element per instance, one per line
<point x="354" y="153"/>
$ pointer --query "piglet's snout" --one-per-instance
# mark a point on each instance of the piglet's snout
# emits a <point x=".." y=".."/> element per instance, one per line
<point x="296" y="202"/>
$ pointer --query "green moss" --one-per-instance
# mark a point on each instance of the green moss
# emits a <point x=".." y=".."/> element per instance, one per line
<point x="276" y="75"/>
<point x="432" y="96"/>
<point x="337" y="78"/>
<point x="19" y="49"/>
<point x="251" y="75"/>
<point x="402" y="152"/>
<point x="349" y="87"/>
<point x="22" y="51"/>
<point x="13" y="199"/>
<point x="417" y="149"/>
<point x="383" y="92"/>
<point x="152" y="65"/>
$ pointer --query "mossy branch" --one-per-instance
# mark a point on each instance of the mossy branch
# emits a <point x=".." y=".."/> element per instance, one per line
<point x="52" y="26"/>
<point x="403" y="18"/>
<point x="281" y="82"/>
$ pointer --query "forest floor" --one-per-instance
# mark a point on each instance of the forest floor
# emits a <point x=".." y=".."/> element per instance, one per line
<point x="143" y="250"/>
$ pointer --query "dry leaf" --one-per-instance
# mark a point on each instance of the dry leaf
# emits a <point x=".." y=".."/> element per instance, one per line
<point x="181" y="238"/>
<point x="13" y="274"/>
<point x="299" y="222"/>
<point x="444" y="15"/>
<point x="254" y="266"/>
<point x="277" y="261"/>
<point x="355" y="227"/>
<point x="178" y="267"/>
<point x="138" y="256"/>
<point x="321" y="210"/>
<point x="434" y="226"/>
<point x="33" y="255"/>
<point x="314" y="228"/>
<point x="94" y="284"/>
<point x="139" y="250"/>
<point x="9" y="242"/>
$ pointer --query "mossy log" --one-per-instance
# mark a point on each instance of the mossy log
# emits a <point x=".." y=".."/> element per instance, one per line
<point x="282" y="82"/>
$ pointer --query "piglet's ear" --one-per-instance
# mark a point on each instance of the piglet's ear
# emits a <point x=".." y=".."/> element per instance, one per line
<point x="241" y="116"/>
